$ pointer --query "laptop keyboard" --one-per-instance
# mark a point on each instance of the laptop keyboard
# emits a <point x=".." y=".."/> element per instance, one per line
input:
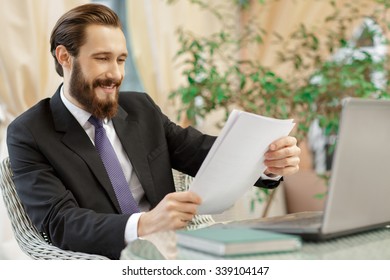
<point x="296" y="220"/>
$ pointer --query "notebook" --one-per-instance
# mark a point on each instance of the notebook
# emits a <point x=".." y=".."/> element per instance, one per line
<point x="227" y="241"/>
<point x="359" y="191"/>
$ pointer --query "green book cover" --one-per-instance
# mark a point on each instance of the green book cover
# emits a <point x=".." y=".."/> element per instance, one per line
<point x="225" y="241"/>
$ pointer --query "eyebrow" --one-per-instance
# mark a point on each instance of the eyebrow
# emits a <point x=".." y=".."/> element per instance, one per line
<point x="108" y="53"/>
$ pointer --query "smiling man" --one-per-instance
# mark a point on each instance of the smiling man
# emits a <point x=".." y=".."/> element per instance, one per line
<point x="92" y="166"/>
<point x="103" y="56"/>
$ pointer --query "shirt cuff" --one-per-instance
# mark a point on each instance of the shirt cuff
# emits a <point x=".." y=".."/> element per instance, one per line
<point x="131" y="230"/>
<point x="275" y="178"/>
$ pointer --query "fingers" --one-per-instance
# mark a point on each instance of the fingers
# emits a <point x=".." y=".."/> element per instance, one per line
<point x="284" y="171"/>
<point x="189" y="197"/>
<point x="172" y="213"/>
<point x="284" y="152"/>
<point x="186" y="202"/>
<point x="283" y="162"/>
<point x="282" y="158"/>
<point x="283" y="142"/>
<point x="282" y="167"/>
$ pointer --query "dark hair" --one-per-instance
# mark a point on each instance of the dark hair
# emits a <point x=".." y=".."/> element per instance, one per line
<point x="69" y="30"/>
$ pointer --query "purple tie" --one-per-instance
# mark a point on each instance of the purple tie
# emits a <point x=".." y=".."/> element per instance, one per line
<point x="114" y="170"/>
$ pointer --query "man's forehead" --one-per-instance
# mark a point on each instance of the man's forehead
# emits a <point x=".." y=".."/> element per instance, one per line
<point x="105" y="39"/>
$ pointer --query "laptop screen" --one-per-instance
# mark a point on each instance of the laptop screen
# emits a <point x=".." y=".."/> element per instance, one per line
<point x="359" y="192"/>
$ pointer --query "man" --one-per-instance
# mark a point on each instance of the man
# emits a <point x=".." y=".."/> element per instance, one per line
<point x="60" y="172"/>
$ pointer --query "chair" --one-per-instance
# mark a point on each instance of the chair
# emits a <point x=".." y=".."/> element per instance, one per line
<point x="182" y="183"/>
<point x="27" y="236"/>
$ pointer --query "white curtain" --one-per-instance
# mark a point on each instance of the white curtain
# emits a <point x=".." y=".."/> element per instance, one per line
<point x="27" y="74"/>
<point x="152" y="27"/>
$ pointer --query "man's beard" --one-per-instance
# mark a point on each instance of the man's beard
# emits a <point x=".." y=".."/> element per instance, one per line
<point x="84" y="93"/>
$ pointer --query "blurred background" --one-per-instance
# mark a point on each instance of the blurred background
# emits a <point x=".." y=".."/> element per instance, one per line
<point x="199" y="59"/>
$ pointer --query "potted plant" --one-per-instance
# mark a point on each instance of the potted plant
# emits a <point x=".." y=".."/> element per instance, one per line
<point x="326" y="64"/>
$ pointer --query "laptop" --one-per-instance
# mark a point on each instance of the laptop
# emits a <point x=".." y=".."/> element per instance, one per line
<point x="359" y="191"/>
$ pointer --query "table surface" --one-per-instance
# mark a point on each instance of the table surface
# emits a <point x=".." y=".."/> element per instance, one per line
<point x="372" y="245"/>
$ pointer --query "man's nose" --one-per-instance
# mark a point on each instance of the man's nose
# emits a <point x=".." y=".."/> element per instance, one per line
<point x="115" y="72"/>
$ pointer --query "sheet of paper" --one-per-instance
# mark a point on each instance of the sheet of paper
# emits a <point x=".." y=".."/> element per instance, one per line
<point x="236" y="160"/>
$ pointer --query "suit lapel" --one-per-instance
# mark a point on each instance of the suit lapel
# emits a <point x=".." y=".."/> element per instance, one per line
<point x="75" y="138"/>
<point x="128" y="131"/>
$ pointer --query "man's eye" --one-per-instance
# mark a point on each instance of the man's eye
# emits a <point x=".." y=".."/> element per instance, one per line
<point x="102" y="58"/>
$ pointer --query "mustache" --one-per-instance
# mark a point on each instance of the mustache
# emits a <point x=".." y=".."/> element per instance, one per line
<point x="106" y="83"/>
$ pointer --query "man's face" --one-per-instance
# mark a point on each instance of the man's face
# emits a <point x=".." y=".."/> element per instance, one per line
<point x="97" y="72"/>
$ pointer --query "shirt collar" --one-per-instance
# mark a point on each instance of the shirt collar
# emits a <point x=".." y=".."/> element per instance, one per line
<point x="80" y="115"/>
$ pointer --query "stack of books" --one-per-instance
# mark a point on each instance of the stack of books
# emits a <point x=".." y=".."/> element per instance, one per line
<point x="230" y="241"/>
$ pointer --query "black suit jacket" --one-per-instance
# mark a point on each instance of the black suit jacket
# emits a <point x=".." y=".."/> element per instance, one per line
<point x="61" y="179"/>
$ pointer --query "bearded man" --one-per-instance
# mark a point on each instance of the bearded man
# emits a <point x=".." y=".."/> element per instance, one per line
<point x="92" y="166"/>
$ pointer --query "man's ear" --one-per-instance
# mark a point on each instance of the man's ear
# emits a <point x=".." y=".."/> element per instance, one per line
<point x="63" y="57"/>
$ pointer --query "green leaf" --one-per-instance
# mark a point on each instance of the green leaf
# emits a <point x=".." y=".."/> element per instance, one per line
<point x="269" y="87"/>
<point x="220" y="95"/>
<point x="242" y="81"/>
<point x="255" y="77"/>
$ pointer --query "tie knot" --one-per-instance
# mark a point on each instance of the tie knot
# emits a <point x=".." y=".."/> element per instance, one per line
<point x="97" y="123"/>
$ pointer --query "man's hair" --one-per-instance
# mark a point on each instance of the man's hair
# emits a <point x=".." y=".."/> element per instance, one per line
<point x="69" y="30"/>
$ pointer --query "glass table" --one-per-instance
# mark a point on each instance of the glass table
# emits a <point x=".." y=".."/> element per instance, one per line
<point x="372" y="245"/>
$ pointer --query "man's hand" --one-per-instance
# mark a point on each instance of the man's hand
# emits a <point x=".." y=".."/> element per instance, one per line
<point x="282" y="158"/>
<point x="173" y="212"/>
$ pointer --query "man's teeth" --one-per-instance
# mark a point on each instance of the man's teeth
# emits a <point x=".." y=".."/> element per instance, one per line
<point x="109" y="87"/>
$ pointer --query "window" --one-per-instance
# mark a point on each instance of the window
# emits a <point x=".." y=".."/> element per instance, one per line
<point x="368" y="39"/>
<point x="131" y="80"/>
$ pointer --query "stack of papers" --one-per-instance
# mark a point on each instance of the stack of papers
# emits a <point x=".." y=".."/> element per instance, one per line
<point x="236" y="160"/>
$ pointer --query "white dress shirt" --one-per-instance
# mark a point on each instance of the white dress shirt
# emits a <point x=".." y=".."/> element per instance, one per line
<point x="82" y="117"/>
